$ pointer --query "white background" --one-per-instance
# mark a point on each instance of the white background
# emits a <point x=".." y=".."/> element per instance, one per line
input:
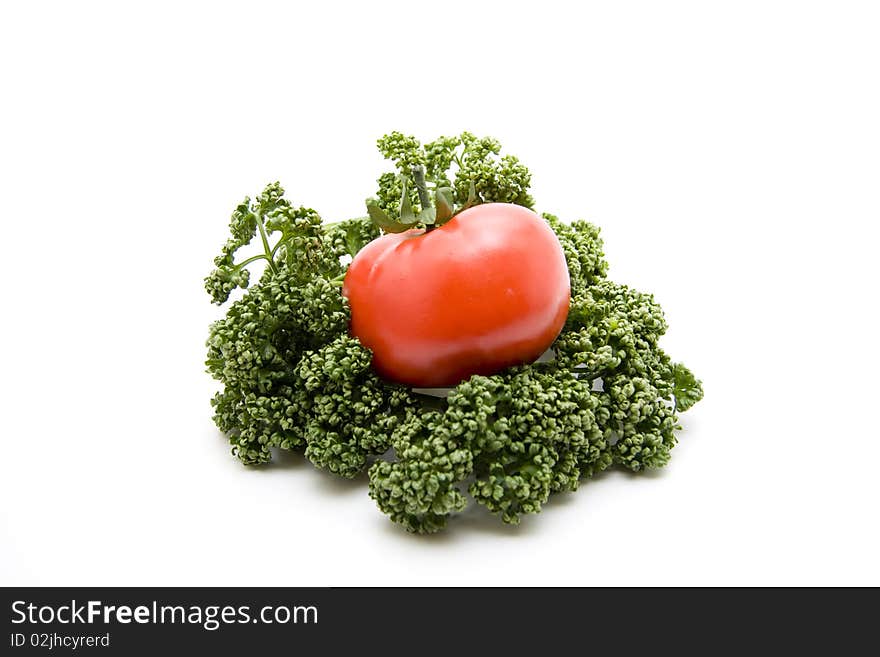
<point x="730" y="151"/>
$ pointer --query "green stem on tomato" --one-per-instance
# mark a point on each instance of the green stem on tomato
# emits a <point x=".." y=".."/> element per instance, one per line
<point x="418" y="174"/>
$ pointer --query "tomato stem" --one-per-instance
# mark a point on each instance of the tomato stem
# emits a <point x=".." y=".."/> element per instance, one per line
<point x="418" y="174"/>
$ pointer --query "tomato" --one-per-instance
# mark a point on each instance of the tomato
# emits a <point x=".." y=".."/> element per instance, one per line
<point x="484" y="291"/>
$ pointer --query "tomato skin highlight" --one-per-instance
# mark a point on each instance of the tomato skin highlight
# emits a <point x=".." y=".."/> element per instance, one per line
<point x="487" y="290"/>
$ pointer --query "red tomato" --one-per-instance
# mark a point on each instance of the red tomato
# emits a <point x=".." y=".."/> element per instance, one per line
<point x="487" y="290"/>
